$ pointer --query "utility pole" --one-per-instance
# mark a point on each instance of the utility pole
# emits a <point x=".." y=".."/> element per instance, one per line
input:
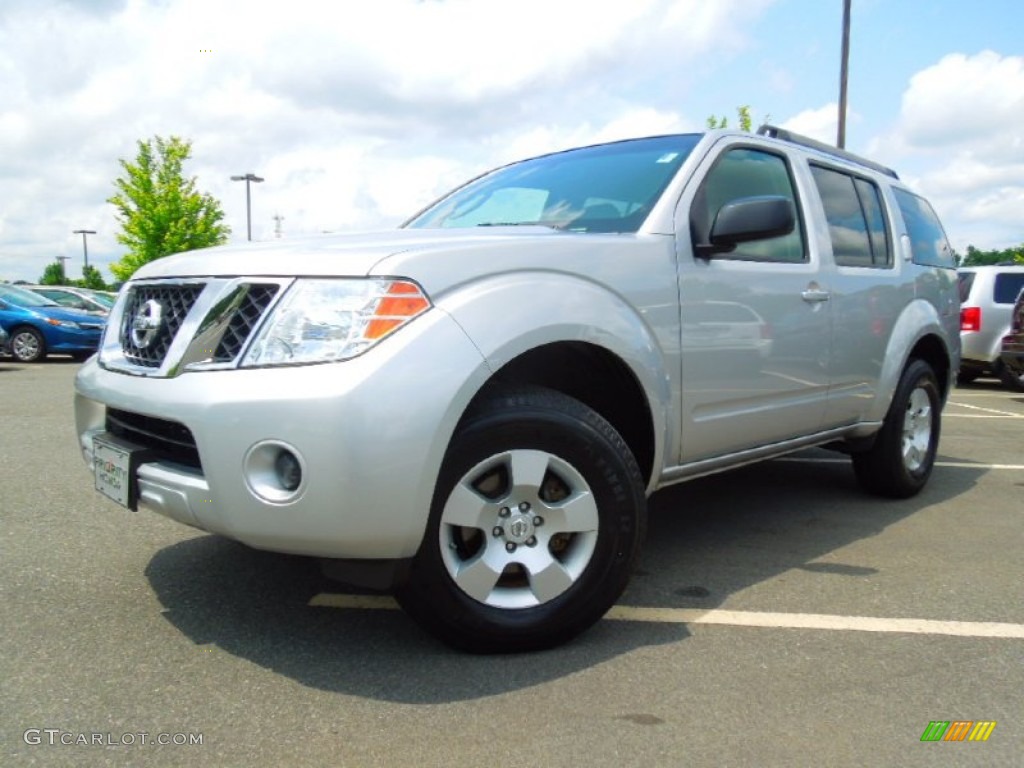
<point x="843" y="71"/>
<point x="85" y="245"/>
<point x="248" y="178"/>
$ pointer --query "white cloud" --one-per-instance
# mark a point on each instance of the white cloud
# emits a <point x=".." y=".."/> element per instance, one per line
<point x="821" y="123"/>
<point x="959" y="139"/>
<point x="355" y="114"/>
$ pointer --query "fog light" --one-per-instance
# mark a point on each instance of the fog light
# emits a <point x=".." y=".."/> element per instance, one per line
<point x="275" y="472"/>
<point x="289" y="471"/>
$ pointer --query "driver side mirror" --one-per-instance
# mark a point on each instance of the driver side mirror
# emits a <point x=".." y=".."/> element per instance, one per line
<point x="745" y="219"/>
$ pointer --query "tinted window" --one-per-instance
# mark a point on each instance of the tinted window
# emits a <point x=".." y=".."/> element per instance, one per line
<point x="927" y="238"/>
<point x="743" y="173"/>
<point x="1008" y="285"/>
<point x="966" y="281"/>
<point x="856" y="223"/>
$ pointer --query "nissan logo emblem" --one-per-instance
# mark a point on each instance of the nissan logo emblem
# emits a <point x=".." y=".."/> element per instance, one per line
<point x="146" y="323"/>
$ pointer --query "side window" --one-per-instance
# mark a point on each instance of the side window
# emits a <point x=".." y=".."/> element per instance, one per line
<point x="1007" y="286"/>
<point x="743" y="173"/>
<point x="927" y="238"/>
<point x="856" y="223"/>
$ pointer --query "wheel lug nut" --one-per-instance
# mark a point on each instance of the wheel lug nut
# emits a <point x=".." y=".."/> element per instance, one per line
<point x="524" y="506"/>
<point x="497" y="530"/>
<point x="510" y="547"/>
<point x="538" y="521"/>
<point x="504" y="512"/>
<point x="532" y="541"/>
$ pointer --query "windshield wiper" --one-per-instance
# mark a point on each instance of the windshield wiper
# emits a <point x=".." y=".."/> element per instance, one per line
<point x="548" y="224"/>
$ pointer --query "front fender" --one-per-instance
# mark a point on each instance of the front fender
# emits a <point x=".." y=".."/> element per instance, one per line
<point x="508" y="315"/>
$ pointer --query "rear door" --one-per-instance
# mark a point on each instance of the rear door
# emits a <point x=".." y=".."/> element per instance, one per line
<point x="867" y="292"/>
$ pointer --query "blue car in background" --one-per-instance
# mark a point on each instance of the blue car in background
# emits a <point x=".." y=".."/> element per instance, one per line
<point x="38" y="326"/>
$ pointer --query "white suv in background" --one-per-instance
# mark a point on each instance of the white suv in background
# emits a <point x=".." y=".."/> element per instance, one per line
<point x="987" y="294"/>
<point x="472" y="409"/>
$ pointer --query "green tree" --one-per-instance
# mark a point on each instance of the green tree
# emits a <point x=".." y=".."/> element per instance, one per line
<point x="159" y="210"/>
<point x="53" y="275"/>
<point x="743" y="115"/>
<point x="92" y="279"/>
<point x="975" y="257"/>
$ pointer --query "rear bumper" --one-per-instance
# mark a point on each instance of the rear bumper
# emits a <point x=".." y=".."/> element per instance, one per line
<point x="1012" y="355"/>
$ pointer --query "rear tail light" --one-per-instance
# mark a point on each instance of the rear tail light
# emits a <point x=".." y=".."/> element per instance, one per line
<point x="970" y="319"/>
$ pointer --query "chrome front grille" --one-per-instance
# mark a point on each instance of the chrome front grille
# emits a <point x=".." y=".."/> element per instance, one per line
<point x="167" y="327"/>
<point x="243" y="320"/>
<point x="174" y="301"/>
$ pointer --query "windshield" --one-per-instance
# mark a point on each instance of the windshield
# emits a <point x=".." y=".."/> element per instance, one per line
<point x="605" y="188"/>
<point x="24" y="298"/>
<point x="103" y="298"/>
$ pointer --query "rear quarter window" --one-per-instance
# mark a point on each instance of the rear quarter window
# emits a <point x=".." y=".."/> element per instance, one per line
<point x="927" y="238"/>
<point x="966" y="281"/>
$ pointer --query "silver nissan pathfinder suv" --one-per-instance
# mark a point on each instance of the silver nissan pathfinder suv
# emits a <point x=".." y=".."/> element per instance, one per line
<point x="472" y="410"/>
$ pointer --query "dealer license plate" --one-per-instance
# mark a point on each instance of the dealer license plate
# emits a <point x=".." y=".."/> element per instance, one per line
<point x="113" y="470"/>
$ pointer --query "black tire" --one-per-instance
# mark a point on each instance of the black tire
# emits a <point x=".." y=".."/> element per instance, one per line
<point x="1011" y="379"/>
<point x="27" y="345"/>
<point x="539" y="470"/>
<point x="966" y="377"/>
<point x="900" y="461"/>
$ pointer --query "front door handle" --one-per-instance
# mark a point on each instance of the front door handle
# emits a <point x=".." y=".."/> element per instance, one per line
<point x="813" y="293"/>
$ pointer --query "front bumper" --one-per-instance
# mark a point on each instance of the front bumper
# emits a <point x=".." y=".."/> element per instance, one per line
<point x="370" y="432"/>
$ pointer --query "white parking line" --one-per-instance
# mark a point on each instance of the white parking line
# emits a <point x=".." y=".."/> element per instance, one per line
<point x="994" y="394"/>
<point x="985" y="410"/>
<point x="979" y="416"/>
<point x="741" y="618"/>
<point x="953" y="464"/>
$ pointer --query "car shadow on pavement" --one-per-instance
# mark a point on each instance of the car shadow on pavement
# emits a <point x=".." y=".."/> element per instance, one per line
<point x="707" y="540"/>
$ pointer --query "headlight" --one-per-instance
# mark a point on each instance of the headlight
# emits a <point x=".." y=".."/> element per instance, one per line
<point x="62" y="323"/>
<point x="323" y="320"/>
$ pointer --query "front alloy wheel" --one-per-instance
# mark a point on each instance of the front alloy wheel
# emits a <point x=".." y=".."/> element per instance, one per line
<point x="537" y="520"/>
<point x="27" y="345"/>
<point x="518" y="529"/>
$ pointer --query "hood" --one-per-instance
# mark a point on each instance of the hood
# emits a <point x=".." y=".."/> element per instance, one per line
<point x="348" y="255"/>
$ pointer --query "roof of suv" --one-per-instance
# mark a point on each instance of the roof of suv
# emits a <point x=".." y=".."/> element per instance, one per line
<point x="782" y="134"/>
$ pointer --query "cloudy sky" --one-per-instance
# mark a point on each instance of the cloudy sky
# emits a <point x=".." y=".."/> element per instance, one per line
<point x="357" y="113"/>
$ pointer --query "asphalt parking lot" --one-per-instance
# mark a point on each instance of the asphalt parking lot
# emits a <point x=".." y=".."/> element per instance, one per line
<point x="780" y="617"/>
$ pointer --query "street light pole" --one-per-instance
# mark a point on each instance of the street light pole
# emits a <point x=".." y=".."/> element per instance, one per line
<point x="843" y="68"/>
<point x="248" y="178"/>
<point x="85" y="245"/>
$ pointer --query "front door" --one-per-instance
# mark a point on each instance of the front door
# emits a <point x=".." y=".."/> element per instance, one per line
<point x="755" y="322"/>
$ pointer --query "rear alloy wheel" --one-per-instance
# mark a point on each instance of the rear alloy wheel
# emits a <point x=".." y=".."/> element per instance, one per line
<point x="27" y="345"/>
<point x="537" y="521"/>
<point x="901" y="460"/>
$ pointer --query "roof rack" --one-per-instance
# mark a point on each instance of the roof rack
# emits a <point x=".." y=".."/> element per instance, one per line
<point x="774" y="132"/>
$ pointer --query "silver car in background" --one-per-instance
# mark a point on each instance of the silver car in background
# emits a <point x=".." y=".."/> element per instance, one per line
<point x="987" y="294"/>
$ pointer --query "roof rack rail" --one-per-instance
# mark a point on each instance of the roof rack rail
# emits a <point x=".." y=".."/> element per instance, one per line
<point x="774" y="132"/>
